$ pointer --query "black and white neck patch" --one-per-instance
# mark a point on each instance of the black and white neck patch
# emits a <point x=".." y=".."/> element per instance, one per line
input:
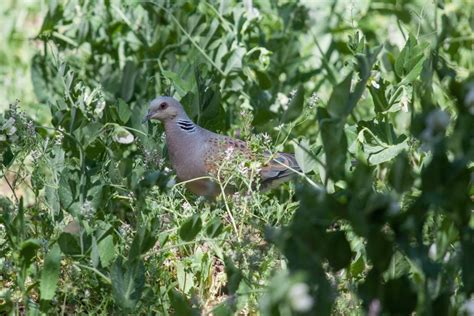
<point x="186" y="125"/>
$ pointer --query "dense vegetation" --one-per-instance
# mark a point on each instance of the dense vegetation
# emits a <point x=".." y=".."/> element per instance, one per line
<point x="376" y="98"/>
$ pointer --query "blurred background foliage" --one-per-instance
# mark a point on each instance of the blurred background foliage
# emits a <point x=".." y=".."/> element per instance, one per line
<point x="376" y="98"/>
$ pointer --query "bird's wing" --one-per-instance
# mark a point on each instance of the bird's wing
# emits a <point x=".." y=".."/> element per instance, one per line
<point x="219" y="148"/>
<point x="280" y="168"/>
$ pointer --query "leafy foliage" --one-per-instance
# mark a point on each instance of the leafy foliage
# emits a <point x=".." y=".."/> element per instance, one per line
<point x="379" y="103"/>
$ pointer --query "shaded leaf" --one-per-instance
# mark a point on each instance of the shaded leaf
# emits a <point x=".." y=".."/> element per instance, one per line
<point x="50" y="274"/>
<point x="190" y="228"/>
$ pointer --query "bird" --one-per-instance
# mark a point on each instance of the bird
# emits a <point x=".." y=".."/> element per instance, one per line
<point x="196" y="153"/>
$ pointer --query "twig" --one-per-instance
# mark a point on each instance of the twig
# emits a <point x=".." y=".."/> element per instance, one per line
<point x="11" y="188"/>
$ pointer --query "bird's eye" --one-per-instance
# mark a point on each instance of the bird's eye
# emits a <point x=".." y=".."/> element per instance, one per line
<point x="163" y="105"/>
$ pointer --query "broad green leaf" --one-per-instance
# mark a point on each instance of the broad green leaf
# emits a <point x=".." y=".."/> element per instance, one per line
<point x="413" y="73"/>
<point x="304" y="156"/>
<point x="214" y="228"/>
<point x="106" y="250"/>
<point x="387" y="153"/>
<point x="69" y="244"/>
<point x="185" y="279"/>
<point x="50" y="274"/>
<point x="338" y="104"/>
<point x="190" y="228"/>
<point x="181" y="305"/>
<point x="94" y="255"/>
<point x="334" y="143"/>
<point x="145" y="238"/>
<point x="28" y="251"/>
<point x="129" y="76"/>
<point x="182" y="86"/>
<point x="401" y="175"/>
<point x="128" y="281"/>
<point x="64" y="191"/>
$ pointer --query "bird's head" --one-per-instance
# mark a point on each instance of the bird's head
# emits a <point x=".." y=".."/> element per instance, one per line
<point x="164" y="108"/>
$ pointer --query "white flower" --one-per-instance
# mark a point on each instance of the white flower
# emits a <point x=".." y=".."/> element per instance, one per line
<point x="313" y="100"/>
<point x="282" y="99"/>
<point x="266" y="138"/>
<point x="300" y="299"/>
<point x="87" y="209"/>
<point x="293" y="93"/>
<point x="375" y="84"/>
<point x="243" y="169"/>
<point x="374" y="80"/>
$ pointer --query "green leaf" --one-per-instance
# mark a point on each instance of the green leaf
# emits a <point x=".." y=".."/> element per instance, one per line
<point x="128" y="281"/>
<point x="28" y="251"/>
<point x="94" y="255"/>
<point x="69" y="244"/>
<point x="185" y="279"/>
<point x="7" y="158"/>
<point x="388" y="153"/>
<point x="129" y="76"/>
<point x="144" y="240"/>
<point x="52" y="198"/>
<point x="214" y="228"/>
<point x="338" y="104"/>
<point x="50" y="274"/>
<point x="401" y="175"/>
<point x="263" y="79"/>
<point x="182" y="86"/>
<point x="413" y="73"/>
<point x="304" y="156"/>
<point x="379" y="98"/>
<point x="190" y="228"/>
<point x="124" y="111"/>
<point x="295" y="107"/>
<point x="409" y="62"/>
<point x="106" y="250"/>
<point x="181" y="305"/>
<point x="64" y="191"/>
<point x="234" y="275"/>
<point x="334" y="143"/>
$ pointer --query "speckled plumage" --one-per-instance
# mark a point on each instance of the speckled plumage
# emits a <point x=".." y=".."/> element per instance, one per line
<point x="195" y="152"/>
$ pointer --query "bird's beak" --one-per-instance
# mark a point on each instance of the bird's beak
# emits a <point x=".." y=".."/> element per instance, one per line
<point x="146" y="118"/>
